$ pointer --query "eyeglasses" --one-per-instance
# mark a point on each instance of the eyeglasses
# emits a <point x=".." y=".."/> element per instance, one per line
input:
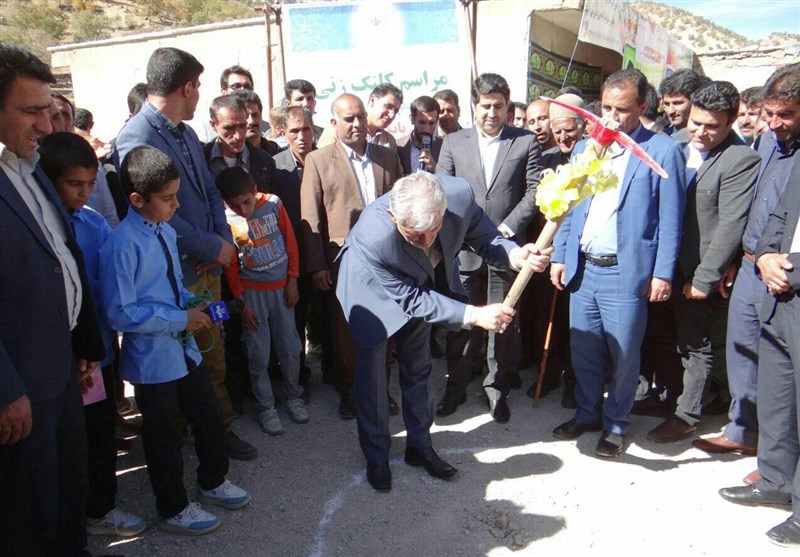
<point x="237" y="86"/>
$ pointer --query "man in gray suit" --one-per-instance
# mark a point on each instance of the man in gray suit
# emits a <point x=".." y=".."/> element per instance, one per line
<point x="398" y="275"/>
<point x="501" y="164"/>
<point x="721" y="172"/>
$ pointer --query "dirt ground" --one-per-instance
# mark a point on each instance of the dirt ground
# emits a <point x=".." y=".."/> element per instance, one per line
<point x="519" y="492"/>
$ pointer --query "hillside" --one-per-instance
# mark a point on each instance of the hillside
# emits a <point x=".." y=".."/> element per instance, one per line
<point x="38" y="24"/>
<point x="703" y="35"/>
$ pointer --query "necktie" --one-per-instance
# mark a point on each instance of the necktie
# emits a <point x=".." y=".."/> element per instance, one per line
<point x="173" y="281"/>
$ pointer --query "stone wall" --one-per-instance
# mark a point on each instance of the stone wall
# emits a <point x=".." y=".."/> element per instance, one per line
<point x="747" y="67"/>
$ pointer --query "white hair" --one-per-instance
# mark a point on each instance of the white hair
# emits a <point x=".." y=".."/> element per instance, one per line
<point x="578" y="120"/>
<point x="417" y="201"/>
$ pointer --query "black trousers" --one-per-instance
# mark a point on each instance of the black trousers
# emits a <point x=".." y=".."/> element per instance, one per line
<point x="102" y="462"/>
<point x="484" y="285"/>
<point x="194" y="397"/>
<point x="43" y="482"/>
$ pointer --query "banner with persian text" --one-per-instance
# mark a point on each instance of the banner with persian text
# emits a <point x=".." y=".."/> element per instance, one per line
<point x="351" y="47"/>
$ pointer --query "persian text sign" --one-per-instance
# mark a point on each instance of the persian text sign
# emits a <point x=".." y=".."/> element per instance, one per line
<point x="419" y="46"/>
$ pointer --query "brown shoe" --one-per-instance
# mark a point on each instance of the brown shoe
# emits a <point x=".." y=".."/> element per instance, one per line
<point x="672" y="429"/>
<point x="722" y="445"/>
<point x="752" y="477"/>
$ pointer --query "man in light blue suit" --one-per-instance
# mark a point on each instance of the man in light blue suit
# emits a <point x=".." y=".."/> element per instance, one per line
<point x="615" y="252"/>
<point x="204" y="240"/>
<point x="398" y="275"/>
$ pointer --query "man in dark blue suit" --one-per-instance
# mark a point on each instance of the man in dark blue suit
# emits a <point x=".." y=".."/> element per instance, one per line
<point x="204" y="240"/>
<point x="615" y="251"/>
<point x="398" y="275"/>
<point x="47" y="325"/>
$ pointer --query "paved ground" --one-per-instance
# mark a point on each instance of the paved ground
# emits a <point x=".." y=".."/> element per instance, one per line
<point x="519" y="492"/>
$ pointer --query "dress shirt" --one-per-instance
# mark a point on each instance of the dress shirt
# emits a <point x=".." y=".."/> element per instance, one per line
<point x="362" y="168"/>
<point x="488" y="147"/>
<point x="599" y="237"/>
<point x="91" y="231"/>
<point x="777" y="166"/>
<point x="694" y="160"/>
<point x="140" y="302"/>
<point x="178" y="133"/>
<point x="20" y="172"/>
<point x="219" y="162"/>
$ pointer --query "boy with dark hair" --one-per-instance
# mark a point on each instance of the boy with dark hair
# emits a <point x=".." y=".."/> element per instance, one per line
<point x="144" y="298"/>
<point x="70" y="163"/>
<point x="264" y="276"/>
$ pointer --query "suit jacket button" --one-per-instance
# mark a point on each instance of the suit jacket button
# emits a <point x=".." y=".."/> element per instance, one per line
<point x="487" y="197"/>
<point x="62" y="310"/>
<point x="57" y="269"/>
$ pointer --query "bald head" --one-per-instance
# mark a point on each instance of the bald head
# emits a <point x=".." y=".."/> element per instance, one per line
<point x="349" y="119"/>
<point x="538" y="121"/>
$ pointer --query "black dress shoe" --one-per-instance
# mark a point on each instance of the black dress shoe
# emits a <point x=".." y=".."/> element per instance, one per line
<point x="514" y="380"/>
<point x="786" y="534"/>
<point x="379" y="476"/>
<point x="450" y="401"/>
<point x="499" y="409"/>
<point x="394" y="409"/>
<point x="651" y="405"/>
<point x="347" y="409"/>
<point x="239" y="449"/>
<point x="751" y="496"/>
<point x="574" y="429"/>
<point x="610" y="445"/>
<point x="432" y="462"/>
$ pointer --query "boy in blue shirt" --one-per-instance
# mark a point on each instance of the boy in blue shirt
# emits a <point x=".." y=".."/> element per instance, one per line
<point x="144" y="298"/>
<point x="70" y="163"/>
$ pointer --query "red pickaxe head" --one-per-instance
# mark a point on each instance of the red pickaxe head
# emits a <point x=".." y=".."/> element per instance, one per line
<point x="605" y="136"/>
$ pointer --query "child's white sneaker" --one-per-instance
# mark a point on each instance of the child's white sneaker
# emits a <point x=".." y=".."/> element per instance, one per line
<point x="270" y="422"/>
<point x="297" y="410"/>
<point x="191" y="521"/>
<point x="116" y="523"/>
<point x="224" y="495"/>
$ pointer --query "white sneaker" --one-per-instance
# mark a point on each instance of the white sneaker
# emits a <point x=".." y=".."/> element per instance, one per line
<point x="225" y="495"/>
<point x="191" y="521"/>
<point x="270" y="422"/>
<point x="297" y="410"/>
<point x="116" y="522"/>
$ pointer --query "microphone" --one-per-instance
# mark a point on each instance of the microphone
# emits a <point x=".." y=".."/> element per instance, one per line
<point x="426" y="145"/>
<point x="222" y="311"/>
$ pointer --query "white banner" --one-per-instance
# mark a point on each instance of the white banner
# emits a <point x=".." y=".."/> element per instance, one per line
<point x="604" y="23"/>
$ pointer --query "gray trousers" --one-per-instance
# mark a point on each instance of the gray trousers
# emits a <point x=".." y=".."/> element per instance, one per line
<point x="276" y="326"/>
<point x="778" y="392"/>
<point x="742" y="349"/>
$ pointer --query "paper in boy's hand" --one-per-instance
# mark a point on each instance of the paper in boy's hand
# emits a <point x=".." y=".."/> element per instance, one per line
<point x="98" y="390"/>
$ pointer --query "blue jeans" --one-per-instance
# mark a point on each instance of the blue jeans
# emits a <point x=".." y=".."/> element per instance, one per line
<point x="276" y="327"/>
<point x="605" y="320"/>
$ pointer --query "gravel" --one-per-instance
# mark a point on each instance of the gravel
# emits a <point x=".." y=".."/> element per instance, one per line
<point x="519" y="492"/>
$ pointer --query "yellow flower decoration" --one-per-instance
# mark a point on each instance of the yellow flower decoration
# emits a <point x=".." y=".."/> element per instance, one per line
<point x="584" y="176"/>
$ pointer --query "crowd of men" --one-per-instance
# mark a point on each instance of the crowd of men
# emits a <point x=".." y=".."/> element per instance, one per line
<point x="393" y="245"/>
